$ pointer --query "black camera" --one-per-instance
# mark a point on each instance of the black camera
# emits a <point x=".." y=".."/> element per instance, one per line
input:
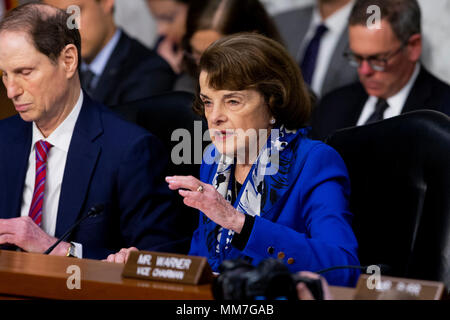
<point x="270" y="280"/>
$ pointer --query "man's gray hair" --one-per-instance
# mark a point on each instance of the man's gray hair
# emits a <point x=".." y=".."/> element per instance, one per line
<point x="46" y="26"/>
<point x="404" y="16"/>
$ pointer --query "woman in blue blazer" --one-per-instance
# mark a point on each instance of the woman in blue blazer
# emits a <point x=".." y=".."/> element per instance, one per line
<point x="265" y="189"/>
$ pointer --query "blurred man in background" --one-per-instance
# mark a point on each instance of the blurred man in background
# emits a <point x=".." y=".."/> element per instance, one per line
<point x="391" y="78"/>
<point x="317" y="36"/>
<point x="116" y="68"/>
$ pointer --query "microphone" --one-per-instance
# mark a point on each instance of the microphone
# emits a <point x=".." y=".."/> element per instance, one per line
<point x="94" y="211"/>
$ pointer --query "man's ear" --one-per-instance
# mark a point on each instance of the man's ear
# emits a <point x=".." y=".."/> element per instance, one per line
<point x="415" y="47"/>
<point x="69" y="60"/>
<point x="107" y="6"/>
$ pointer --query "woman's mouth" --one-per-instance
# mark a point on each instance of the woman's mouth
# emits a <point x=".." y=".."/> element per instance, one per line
<point x="223" y="134"/>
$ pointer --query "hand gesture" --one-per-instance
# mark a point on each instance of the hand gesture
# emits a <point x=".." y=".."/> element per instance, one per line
<point x="205" y="198"/>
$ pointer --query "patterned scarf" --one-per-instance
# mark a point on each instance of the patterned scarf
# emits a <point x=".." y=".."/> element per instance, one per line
<point x="266" y="177"/>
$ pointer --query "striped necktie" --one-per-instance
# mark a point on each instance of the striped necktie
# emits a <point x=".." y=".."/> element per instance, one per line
<point x="42" y="148"/>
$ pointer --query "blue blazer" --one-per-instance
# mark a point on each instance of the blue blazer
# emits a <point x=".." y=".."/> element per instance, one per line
<point x="110" y="161"/>
<point x="308" y="226"/>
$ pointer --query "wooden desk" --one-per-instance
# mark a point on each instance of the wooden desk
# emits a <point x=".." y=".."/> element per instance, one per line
<point x="28" y="275"/>
<point x="40" y="276"/>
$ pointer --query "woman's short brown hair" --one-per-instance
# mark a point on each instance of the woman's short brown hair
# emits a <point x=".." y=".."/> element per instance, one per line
<point x="252" y="61"/>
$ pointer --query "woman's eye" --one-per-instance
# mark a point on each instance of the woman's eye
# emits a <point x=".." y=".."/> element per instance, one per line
<point x="233" y="102"/>
<point x="206" y="103"/>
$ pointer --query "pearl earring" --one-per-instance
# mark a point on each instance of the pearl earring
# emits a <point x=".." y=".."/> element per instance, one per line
<point x="272" y="121"/>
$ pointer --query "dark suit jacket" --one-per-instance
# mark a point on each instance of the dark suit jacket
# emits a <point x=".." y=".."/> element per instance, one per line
<point x="342" y="107"/>
<point x="133" y="72"/>
<point x="293" y="26"/>
<point x="110" y="161"/>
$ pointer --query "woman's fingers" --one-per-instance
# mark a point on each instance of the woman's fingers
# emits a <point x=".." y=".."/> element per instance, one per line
<point x="185" y="182"/>
<point x="204" y="197"/>
<point x="196" y="199"/>
<point x="196" y="194"/>
<point x="121" y="256"/>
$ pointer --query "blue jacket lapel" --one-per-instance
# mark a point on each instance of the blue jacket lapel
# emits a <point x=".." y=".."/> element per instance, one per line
<point x="279" y="184"/>
<point x="15" y="167"/>
<point x="80" y="165"/>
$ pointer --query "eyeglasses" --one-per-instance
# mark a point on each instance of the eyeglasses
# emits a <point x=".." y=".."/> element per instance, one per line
<point x="376" y="62"/>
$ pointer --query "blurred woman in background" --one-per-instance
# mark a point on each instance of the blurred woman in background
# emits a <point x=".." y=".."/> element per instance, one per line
<point x="170" y="16"/>
<point x="208" y="21"/>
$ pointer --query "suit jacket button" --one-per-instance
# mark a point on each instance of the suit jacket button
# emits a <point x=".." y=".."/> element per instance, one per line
<point x="281" y="255"/>
<point x="270" y="250"/>
<point x="290" y="261"/>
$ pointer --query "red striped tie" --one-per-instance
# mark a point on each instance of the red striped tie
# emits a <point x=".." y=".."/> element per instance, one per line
<point x="42" y="148"/>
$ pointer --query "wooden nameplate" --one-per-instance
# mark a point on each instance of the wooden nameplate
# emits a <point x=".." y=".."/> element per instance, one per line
<point x="392" y="288"/>
<point x="167" y="267"/>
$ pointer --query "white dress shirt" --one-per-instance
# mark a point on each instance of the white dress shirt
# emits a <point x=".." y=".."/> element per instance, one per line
<point x="97" y="66"/>
<point x="56" y="163"/>
<point x="336" y="24"/>
<point x="396" y="102"/>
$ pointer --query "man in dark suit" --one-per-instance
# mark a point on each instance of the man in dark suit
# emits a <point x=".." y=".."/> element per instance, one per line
<point x="116" y="69"/>
<point x="317" y="37"/>
<point x="392" y="80"/>
<point x="65" y="153"/>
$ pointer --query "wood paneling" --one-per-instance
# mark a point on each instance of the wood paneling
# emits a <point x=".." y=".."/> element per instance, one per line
<point x="6" y="106"/>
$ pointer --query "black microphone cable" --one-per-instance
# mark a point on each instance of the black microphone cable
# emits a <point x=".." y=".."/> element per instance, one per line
<point x="364" y="268"/>
<point x="95" y="210"/>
